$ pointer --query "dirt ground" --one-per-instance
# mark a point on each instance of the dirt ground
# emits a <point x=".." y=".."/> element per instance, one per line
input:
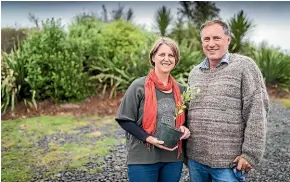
<point x="100" y="105"/>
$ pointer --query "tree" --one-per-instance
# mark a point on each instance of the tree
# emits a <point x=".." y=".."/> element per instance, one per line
<point x="119" y="14"/>
<point x="105" y="14"/>
<point x="116" y="14"/>
<point x="186" y="10"/>
<point x="199" y="12"/>
<point x="204" y="11"/>
<point x="12" y="37"/>
<point x="177" y="32"/>
<point x="240" y="25"/>
<point x="32" y="18"/>
<point x="130" y="15"/>
<point x="163" y="19"/>
<point x="85" y="18"/>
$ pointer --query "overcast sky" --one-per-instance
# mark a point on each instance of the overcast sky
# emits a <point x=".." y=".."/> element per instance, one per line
<point x="272" y="19"/>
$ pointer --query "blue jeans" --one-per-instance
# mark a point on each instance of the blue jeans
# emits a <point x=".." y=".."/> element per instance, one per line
<point x="158" y="172"/>
<point x="202" y="173"/>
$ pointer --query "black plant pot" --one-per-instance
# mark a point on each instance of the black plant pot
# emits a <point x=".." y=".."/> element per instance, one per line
<point x="170" y="135"/>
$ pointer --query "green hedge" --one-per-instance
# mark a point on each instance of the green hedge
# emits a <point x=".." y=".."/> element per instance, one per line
<point x="93" y="57"/>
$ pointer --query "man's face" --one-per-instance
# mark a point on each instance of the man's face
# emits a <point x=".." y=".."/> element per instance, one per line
<point x="214" y="42"/>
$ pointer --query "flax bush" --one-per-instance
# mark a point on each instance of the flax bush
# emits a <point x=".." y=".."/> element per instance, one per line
<point x="274" y="65"/>
<point x="190" y="56"/>
<point x="13" y="84"/>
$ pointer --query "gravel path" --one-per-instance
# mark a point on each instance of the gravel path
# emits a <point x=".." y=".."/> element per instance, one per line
<point x="275" y="166"/>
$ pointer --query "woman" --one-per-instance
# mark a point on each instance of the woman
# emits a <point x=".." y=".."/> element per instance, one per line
<point x="149" y="101"/>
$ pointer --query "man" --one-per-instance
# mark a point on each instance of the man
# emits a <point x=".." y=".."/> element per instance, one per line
<point x="228" y="118"/>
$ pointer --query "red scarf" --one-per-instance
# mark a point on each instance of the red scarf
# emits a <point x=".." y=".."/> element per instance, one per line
<point x="150" y="105"/>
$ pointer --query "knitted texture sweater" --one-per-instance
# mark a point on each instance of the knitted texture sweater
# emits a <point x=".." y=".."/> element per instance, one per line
<point x="228" y="117"/>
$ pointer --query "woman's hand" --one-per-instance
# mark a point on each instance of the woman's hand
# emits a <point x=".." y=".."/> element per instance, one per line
<point x="185" y="131"/>
<point x="158" y="143"/>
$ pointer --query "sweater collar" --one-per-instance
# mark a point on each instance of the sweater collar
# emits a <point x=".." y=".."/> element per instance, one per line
<point x="205" y="63"/>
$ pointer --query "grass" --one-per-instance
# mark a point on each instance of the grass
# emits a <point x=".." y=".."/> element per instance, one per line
<point x="286" y="103"/>
<point x="21" y="153"/>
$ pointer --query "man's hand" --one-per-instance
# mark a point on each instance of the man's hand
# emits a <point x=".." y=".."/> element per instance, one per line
<point x="158" y="143"/>
<point x="243" y="164"/>
<point x="185" y="131"/>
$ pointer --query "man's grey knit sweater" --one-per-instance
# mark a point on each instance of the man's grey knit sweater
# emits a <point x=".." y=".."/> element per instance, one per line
<point x="228" y="117"/>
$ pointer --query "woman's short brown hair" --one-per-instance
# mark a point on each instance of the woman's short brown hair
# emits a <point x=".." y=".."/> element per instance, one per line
<point x="171" y="43"/>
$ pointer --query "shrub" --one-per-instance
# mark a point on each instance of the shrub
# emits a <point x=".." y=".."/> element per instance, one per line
<point x="55" y="64"/>
<point x="190" y="56"/>
<point x="116" y="53"/>
<point x="274" y="65"/>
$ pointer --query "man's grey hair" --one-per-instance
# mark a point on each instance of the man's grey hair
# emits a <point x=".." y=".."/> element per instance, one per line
<point x="220" y="22"/>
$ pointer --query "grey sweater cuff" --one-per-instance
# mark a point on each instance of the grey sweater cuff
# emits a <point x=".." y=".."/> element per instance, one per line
<point x="250" y="160"/>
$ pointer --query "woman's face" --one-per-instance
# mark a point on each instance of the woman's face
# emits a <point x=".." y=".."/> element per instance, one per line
<point x="164" y="59"/>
